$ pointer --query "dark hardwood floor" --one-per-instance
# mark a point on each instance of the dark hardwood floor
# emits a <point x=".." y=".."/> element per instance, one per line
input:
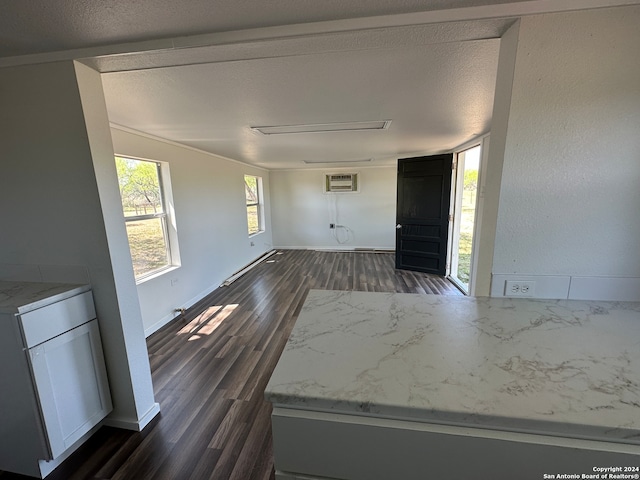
<point x="210" y="368"/>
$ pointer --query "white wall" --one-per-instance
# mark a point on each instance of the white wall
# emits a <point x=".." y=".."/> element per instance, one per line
<point x="570" y="194"/>
<point x="211" y="221"/>
<point x="491" y="168"/>
<point x="57" y="194"/>
<point x="302" y="212"/>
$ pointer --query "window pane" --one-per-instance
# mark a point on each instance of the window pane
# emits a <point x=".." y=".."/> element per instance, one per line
<point x="148" y="245"/>
<point x="252" y="219"/>
<point x="139" y="187"/>
<point x="251" y="189"/>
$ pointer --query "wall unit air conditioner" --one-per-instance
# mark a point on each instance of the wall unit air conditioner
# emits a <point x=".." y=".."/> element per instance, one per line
<point x="341" y="183"/>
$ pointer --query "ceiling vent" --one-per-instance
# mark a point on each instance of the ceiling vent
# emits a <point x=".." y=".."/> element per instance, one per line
<point x="341" y="183"/>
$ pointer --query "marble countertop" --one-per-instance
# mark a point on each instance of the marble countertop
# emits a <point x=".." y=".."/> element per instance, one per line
<point x="558" y="367"/>
<point x="22" y="297"/>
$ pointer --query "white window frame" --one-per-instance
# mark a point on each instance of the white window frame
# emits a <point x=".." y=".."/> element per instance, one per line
<point x="259" y="203"/>
<point x="167" y="217"/>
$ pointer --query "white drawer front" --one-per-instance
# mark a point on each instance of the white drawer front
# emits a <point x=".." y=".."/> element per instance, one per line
<point x="47" y="322"/>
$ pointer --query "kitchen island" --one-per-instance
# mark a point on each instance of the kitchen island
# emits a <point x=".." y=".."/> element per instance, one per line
<point x="386" y="385"/>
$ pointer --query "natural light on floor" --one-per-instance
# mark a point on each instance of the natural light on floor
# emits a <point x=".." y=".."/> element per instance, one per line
<point x="207" y="322"/>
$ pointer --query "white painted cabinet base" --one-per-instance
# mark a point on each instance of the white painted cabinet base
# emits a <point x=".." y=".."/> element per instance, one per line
<point x="45" y="467"/>
<point x="55" y="391"/>
<point x="311" y="445"/>
<point x="71" y="381"/>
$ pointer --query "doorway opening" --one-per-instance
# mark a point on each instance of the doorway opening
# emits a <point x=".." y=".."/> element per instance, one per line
<point x="464" y="201"/>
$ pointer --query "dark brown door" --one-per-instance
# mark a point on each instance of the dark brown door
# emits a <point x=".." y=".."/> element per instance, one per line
<point x="422" y="217"/>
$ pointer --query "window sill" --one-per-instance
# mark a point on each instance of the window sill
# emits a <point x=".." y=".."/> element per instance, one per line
<point x="156" y="274"/>
<point x="256" y="234"/>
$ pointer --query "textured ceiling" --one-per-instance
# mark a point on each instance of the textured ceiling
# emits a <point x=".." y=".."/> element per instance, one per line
<point x="35" y="26"/>
<point x="202" y="72"/>
<point x="437" y="98"/>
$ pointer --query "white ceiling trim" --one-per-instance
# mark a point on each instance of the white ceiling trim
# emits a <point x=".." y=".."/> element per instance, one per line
<point x="356" y="40"/>
<point x="471" y="143"/>
<point x="517" y="9"/>
<point x="133" y="131"/>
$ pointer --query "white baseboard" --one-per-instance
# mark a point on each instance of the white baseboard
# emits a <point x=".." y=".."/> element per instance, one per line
<point x="150" y="415"/>
<point x="340" y="248"/>
<point x="135" y="425"/>
<point x="621" y="289"/>
<point x="159" y="324"/>
<point x="189" y="303"/>
<point x="168" y="318"/>
<point x="246" y="269"/>
<point x="626" y="289"/>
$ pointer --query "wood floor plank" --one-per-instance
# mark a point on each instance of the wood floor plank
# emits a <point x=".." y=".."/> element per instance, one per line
<point x="182" y="460"/>
<point x="263" y="467"/>
<point x="210" y="367"/>
<point x="251" y="448"/>
<point x="206" y="464"/>
<point x="144" y="461"/>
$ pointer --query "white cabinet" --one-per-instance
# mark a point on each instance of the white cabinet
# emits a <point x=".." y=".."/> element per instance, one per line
<point x="55" y="388"/>
<point x="70" y="379"/>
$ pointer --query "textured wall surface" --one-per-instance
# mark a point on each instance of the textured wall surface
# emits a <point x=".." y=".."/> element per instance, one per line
<point x="571" y="179"/>
<point x="211" y="218"/>
<point x="58" y="179"/>
<point x="302" y="212"/>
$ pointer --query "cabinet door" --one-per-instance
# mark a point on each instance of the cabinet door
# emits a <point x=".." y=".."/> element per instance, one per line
<point x="71" y="382"/>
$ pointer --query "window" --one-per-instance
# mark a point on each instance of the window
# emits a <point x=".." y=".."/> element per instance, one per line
<point x="144" y="205"/>
<point x="253" y="194"/>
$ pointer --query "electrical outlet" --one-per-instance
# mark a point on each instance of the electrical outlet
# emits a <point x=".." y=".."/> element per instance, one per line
<point x="519" y="288"/>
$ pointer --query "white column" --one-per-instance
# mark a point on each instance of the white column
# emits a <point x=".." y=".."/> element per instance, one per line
<point x="60" y="207"/>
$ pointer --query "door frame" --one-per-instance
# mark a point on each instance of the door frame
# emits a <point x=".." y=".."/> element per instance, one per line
<point x="483" y="141"/>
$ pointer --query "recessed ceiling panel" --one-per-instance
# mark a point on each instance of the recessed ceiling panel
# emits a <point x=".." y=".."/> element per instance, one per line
<point x="359" y="126"/>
